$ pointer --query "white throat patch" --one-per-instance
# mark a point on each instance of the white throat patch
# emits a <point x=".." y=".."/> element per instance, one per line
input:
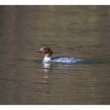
<point x="47" y="59"/>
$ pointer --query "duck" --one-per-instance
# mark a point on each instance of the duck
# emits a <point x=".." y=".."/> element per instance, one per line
<point x="60" y="59"/>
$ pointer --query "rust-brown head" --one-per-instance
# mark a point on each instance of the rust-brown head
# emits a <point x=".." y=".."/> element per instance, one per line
<point x="46" y="50"/>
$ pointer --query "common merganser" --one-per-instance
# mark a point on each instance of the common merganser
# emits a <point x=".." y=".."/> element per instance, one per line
<point x="48" y="53"/>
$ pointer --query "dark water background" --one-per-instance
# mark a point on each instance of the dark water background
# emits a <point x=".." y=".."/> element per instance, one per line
<point x="76" y="31"/>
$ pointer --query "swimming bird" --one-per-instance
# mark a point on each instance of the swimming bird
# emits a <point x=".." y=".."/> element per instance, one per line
<point x="48" y="57"/>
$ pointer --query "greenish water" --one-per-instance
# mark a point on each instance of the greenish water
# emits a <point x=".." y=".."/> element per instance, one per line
<point x="76" y="31"/>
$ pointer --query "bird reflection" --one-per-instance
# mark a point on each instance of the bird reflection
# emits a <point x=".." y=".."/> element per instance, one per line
<point x="46" y="86"/>
<point x="47" y="67"/>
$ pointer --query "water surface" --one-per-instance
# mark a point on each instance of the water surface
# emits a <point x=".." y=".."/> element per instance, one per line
<point x="75" y="31"/>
